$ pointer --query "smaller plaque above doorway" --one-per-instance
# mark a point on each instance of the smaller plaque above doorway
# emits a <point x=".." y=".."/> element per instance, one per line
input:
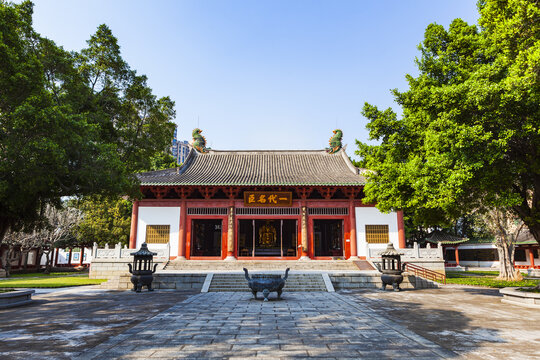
<point x="268" y="198"/>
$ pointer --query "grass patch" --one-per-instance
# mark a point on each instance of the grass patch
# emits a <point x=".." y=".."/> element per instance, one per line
<point x="484" y="278"/>
<point x="50" y="282"/>
<point x="53" y="274"/>
<point x="536" y="291"/>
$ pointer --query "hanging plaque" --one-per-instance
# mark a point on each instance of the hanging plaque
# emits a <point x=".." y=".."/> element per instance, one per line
<point x="268" y="198"/>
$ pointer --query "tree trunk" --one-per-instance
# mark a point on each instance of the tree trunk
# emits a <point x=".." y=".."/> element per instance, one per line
<point x="506" y="263"/>
<point x="8" y="262"/>
<point x="4" y="226"/>
<point x="25" y="257"/>
<point x="48" y="262"/>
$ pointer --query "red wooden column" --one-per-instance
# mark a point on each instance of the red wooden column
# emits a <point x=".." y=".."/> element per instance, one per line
<point x="304" y="250"/>
<point x="457" y="254"/>
<point x="182" y="231"/>
<point x="401" y="229"/>
<point x="55" y="254"/>
<point x="134" y="221"/>
<point x="69" y="257"/>
<point x="531" y="257"/>
<point x="352" y="222"/>
<point x="230" y="233"/>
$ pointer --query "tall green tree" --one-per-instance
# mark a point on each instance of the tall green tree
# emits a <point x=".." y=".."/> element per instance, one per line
<point x="469" y="136"/>
<point x="71" y="124"/>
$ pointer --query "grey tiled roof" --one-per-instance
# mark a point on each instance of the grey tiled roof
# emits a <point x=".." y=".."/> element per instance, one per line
<point x="275" y="167"/>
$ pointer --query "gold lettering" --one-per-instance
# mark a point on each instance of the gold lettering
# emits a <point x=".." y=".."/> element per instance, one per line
<point x="272" y="198"/>
<point x="262" y="199"/>
<point x="251" y="198"/>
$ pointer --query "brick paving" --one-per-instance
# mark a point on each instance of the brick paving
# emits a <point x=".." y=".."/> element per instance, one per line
<point x="232" y="325"/>
<point x="89" y="323"/>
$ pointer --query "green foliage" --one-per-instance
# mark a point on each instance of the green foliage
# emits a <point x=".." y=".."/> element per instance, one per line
<point x="161" y="161"/>
<point x="465" y="278"/>
<point x="470" y="131"/>
<point x="50" y="282"/>
<point x="53" y="274"/>
<point x="105" y="221"/>
<point x="71" y="124"/>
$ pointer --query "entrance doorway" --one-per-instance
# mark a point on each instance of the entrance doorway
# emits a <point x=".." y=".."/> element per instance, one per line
<point x="272" y="238"/>
<point x="206" y="238"/>
<point x="328" y="237"/>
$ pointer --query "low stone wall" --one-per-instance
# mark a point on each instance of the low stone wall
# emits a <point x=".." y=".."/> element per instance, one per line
<point x="110" y="268"/>
<point x="512" y="295"/>
<point x="15" y="298"/>
<point x="161" y="281"/>
<point x="352" y="281"/>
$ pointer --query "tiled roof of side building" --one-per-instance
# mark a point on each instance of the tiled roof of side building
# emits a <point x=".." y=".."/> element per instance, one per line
<point x="260" y="168"/>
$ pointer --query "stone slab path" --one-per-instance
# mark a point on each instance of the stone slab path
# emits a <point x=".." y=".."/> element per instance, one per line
<point x="232" y="325"/>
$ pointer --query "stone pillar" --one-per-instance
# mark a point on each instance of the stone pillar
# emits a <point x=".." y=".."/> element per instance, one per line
<point x="134" y="222"/>
<point x="230" y="235"/>
<point x="401" y="230"/>
<point x="304" y="239"/>
<point x="531" y="257"/>
<point x="352" y="222"/>
<point x="182" y="232"/>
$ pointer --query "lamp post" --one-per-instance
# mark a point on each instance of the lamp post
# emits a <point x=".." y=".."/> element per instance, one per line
<point x="391" y="268"/>
<point x="141" y="269"/>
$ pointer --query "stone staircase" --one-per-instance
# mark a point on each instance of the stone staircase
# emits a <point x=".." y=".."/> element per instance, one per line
<point x="295" y="282"/>
<point x="220" y="265"/>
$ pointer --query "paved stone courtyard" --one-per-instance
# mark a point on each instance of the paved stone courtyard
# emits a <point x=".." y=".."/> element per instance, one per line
<point x="423" y="324"/>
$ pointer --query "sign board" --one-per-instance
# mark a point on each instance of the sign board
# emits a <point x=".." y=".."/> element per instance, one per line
<point x="267" y="198"/>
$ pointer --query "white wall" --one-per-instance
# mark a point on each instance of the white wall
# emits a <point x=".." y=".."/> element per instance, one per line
<point x="63" y="255"/>
<point x="150" y="215"/>
<point x="372" y="216"/>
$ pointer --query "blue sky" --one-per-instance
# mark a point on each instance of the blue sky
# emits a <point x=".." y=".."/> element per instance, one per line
<point x="262" y="74"/>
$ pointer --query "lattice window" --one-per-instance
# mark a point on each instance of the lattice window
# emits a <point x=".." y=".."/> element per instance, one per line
<point x="267" y="211"/>
<point x="328" y="211"/>
<point x="377" y="234"/>
<point x="207" y="211"/>
<point x="157" y="234"/>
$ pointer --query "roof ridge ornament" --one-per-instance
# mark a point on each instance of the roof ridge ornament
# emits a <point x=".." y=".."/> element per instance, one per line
<point x="335" y="142"/>
<point x="199" y="141"/>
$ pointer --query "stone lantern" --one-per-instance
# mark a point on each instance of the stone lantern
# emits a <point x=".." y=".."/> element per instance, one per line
<point x="391" y="268"/>
<point x="141" y="269"/>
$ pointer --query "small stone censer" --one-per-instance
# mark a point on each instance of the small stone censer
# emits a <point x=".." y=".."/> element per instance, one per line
<point x="391" y="268"/>
<point x="141" y="269"/>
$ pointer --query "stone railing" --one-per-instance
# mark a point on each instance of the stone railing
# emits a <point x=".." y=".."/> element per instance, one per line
<point x="119" y="252"/>
<point x="415" y="252"/>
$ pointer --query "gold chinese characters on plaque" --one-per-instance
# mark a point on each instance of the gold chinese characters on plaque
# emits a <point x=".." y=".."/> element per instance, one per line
<point x="267" y="198"/>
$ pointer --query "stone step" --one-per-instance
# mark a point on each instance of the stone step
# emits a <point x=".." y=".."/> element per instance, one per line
<point x="295" y="282"/>
<point x="263" y="265"/>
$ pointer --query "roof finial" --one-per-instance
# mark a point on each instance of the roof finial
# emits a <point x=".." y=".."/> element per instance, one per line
<point x="199" y="141"/>
<point x="335" y="142"/>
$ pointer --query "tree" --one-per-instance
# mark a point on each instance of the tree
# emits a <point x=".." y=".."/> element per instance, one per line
<point x="70" y="124"/>
<point x="105" y="220"/>
<point x="505" y="227"/>
<point x="469" y="136"/>
<point x="61" y="225"/>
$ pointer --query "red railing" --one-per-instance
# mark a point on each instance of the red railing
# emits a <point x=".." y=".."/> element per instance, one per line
<point x="425" y="273"/>
<point x="526" y="267"/>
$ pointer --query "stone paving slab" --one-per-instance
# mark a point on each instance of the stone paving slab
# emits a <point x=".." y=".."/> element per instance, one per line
<point x="233" y="325"/>
<point x="62" y="322"/>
